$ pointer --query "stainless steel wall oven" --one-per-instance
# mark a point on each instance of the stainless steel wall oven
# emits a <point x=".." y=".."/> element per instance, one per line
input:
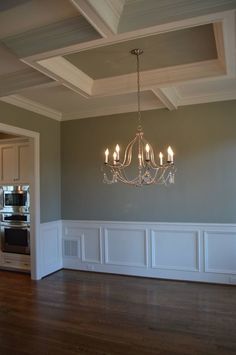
<point x="15" y="198"/>
<point x="15" y="233"/>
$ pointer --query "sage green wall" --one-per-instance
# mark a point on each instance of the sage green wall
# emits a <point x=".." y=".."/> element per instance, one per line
<point x="204" y="139"/>
<point x="50" y="170"/>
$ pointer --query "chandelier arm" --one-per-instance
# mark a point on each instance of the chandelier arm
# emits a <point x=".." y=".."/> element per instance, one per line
<point x="123" y="178"/>
<point x="128" y="153"/>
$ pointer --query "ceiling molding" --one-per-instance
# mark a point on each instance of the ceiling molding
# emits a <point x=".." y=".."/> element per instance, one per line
<point x="22" y="102"/>
<point x="103" y="15"/>
<point x="151" y="79"/>
<point x="65" y="72"/>
<point x="163" y="82"/>
<point x="210" y="97"/>
<point x="50" y="37"/>
<point x="167" y="96"/>
<point x="14" y="82"/>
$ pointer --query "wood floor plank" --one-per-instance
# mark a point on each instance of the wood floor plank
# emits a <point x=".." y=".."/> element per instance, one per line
<point x="72" y="312"/>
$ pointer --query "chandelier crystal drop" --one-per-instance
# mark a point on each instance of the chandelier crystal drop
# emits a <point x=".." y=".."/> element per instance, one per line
<point x="139" y="166"/>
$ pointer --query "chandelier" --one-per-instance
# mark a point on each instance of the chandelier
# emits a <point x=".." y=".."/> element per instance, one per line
<point x="139" y="166"/>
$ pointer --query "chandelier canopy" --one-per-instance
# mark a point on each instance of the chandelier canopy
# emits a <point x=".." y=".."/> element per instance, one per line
<point x="142" y="169"/>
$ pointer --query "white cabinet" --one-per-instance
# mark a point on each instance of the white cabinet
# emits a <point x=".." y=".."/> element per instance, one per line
<point x="15" y="163"/>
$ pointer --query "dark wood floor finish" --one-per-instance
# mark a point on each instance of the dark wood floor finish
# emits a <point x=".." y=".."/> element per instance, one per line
<point x="73" y="312"/>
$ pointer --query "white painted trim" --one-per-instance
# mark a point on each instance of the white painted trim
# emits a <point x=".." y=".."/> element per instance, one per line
<point x="27" y="104"/>
<point x="35" y="197"/>
<point x="158" y="271"/>
<point x="61" y="69"/>
<point x="83" y="258"/>
<point x="229" y="43"/>
<point x="106" y="251"/>
<point x="206" y="253"/>
<point x="167" y="96"/>
<point x="103" y="15"/>
<point x="159" y="266"/>
<point x="200" y="99"/>
<point x="158" y="81"/>
<point x="52" y="231"/>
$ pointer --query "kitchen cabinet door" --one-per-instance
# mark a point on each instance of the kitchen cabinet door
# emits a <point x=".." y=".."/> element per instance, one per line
<point x="23" y="162"/>
<point x="8" y="163"/>
<point x="15" y="163"/>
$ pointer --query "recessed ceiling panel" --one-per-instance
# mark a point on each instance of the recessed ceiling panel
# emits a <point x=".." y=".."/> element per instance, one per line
<point x="160" y="51"/>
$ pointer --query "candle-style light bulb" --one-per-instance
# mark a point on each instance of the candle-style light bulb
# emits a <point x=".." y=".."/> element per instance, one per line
<point x="114" y="158"/>
<point x="140" y="159"/>
<point x="147" y="148"/>
<point x="106" y="155"/>
<point x="117" y="152"/>
<point x="170" y="154"/>
<point x="161" y="158"/>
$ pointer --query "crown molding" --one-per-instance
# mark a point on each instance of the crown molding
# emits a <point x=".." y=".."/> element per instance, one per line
<point x="211" y="97"/>
<point x="23" y="79"/>
<point x="27" y="104"/>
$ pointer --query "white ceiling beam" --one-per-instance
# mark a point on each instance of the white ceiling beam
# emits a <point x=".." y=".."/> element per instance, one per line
<point x="229" y="43"/>
<point x="66" y="73"/>
<point x="103" y="15"/>
<point x="168" y="96"/>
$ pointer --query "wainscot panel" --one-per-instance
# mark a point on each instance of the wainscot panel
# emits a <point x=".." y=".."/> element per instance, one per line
<point x="50" y="247"/>
<point x="181" y="251"/>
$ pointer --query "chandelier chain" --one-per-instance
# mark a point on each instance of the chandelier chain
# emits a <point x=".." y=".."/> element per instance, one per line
<point x="138" y="92"/>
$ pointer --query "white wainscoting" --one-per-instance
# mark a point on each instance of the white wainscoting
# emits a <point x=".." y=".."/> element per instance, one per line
<point x="50" y="247"/>
<point x="181" y="251"/>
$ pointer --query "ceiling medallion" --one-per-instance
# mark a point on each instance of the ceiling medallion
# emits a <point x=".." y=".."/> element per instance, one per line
<point x="142" y="169"/>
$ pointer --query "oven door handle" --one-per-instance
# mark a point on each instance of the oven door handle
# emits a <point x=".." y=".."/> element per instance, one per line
<point x="18" y="226"/>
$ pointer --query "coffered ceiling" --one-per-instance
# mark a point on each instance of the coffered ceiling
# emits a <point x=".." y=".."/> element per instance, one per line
<point x="70" y="59"/>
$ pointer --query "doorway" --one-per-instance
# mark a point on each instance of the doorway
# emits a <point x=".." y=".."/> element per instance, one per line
<point x="34" y="139"/>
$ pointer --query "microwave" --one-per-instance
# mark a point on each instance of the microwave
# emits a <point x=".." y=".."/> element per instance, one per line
<point x="15" y="198"/>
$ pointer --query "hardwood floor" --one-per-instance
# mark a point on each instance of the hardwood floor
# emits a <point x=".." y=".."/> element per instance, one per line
<point x="73" y="312"/>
